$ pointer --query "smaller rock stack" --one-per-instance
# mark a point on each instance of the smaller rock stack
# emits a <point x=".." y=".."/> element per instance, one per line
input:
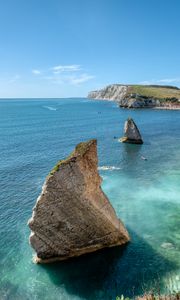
<point x="131" y="133"/>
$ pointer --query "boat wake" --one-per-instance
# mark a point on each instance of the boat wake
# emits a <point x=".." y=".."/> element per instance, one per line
<point x="50" y="107"/>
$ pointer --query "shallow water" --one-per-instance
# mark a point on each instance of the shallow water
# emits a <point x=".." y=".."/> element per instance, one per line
<point x="34" y="135"/>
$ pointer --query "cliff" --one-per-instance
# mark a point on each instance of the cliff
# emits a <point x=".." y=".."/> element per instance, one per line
<point x="139" y="96"/>
<point x="73" y="216"/>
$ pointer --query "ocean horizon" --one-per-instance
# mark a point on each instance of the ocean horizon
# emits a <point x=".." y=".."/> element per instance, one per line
<point x="35" y="133"/>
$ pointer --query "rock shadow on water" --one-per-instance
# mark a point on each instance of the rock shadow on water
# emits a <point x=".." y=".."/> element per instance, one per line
<point x="131" y="155"/>
<point x="132" y="149"/>
<point x="130" y="270"/>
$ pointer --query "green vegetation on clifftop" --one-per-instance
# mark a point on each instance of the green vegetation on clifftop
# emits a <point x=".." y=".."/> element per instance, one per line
<point x="80" y="150"/>
<point x="140" y="96"/>
<point x="155" y="91"/>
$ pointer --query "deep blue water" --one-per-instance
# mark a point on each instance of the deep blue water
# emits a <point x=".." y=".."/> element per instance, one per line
<point x="34" y="135"/>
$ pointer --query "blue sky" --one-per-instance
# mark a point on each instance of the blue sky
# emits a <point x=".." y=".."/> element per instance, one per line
<point x="64" y="48"/>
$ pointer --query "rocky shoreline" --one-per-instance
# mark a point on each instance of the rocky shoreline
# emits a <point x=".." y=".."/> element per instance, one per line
<point x="138" y="96"/>
<point x="168" y="107"/>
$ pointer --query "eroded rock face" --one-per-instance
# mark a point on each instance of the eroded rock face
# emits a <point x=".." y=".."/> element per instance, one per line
<point x="131" y="133"/>
<point x="73" y="216"/>
<point x="124" y="97"/>
<point x="138" y="101"/>
<point x="114" y="92"/>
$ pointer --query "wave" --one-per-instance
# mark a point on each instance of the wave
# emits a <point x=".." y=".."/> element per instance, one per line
<point x="109" y="168"/>
<point x="50" y="107"/>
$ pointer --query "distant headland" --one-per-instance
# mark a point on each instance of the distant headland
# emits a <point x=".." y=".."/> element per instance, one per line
<point x="140" y="96"/>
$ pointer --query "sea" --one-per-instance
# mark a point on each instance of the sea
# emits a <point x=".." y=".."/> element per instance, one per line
<point x="141" y="181"/>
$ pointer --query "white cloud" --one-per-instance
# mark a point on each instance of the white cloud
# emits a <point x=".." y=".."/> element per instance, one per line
<point x="71" y="80"/>
<point x="64" y="74"/>
<point x="169" y="80"/>
<point x="36" y="72"/>
<point x="161" y="81"/>
<point x="80" y="79"/>
<point x="66" y="68"/>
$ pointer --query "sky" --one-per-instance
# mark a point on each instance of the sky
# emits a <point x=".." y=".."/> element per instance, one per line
<point x="66" y="48"/>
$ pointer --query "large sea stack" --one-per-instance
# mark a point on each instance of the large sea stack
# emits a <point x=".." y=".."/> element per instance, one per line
<point x="73" y="216"/>
<point x="131" y="133"/>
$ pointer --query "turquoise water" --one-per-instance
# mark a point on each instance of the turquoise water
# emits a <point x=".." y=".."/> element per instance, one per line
<point x="34" y="135"/>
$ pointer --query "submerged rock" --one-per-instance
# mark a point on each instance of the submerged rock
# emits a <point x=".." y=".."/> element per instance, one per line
<point x="131" y="133"/>
<point x="73" y="216"/>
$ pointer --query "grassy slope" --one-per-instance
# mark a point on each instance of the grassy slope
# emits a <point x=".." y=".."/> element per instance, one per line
<point x="158" y="92"/>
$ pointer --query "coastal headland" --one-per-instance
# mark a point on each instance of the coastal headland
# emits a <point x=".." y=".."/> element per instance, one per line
<point x="140" y="96"/>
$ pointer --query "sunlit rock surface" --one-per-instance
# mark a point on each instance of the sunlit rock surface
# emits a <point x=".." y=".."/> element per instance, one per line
<point x="73" y="216"/>
<point x="131" y="133"/>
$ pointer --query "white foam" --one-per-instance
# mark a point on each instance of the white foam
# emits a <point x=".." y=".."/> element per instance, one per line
<point x="166" y="245"/>
<point x="109" y="168"/>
